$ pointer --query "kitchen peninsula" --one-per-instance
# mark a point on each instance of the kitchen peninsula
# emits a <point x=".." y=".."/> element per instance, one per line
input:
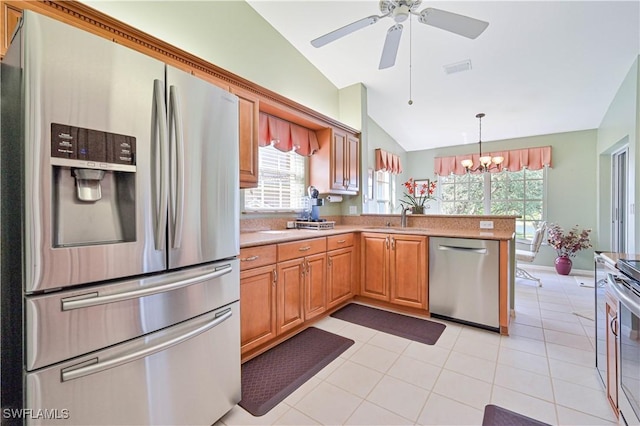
<point x="292" y="277"/>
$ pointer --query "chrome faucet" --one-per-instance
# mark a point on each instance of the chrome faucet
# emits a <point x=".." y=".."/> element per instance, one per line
<point x="403" y="217"/>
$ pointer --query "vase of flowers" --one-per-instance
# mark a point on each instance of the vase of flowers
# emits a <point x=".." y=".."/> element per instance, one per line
<point x="417" y="193"/>
<point x="567" y="245"/>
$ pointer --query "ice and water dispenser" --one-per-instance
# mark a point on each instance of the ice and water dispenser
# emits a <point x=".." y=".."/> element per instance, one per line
<point x="94" y="186"/>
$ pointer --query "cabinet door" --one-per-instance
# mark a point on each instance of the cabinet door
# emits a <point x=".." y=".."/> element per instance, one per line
<point x="9" y="18"/>
<point x="258" y="306"/>
<point x="338" y="159"/>
<point x="352" y="165"/>
<point x="249" y="110"/>
<point x="289" y="294"/>
<point x="612" y="354"/>
<point x="374" y="276"/>
<point x="340" y="267"/>
<point x="315" y="285"/>
<point x="408" y="275"/>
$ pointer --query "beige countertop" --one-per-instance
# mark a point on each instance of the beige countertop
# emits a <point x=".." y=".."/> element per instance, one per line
<point x="612" y="258"/>
<point x="258" y="238"/>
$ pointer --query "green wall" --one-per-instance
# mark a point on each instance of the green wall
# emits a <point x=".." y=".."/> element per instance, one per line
<point x="571" y="182"/>
<point x="233" y="36"/>
<point x="619" y="128"/>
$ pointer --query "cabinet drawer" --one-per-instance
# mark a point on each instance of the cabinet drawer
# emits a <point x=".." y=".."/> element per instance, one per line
<point x="339" y="241"/>
<point x="252" y="257"/>
<point x="292" y="250"/>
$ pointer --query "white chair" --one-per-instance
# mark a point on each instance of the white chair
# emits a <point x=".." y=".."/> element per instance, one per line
<point x="529" y="251"/>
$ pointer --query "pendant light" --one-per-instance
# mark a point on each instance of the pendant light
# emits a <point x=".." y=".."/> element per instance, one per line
<point x="487" y="162"/>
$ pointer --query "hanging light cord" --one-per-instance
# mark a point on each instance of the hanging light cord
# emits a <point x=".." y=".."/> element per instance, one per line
<point x="410" y="52"/>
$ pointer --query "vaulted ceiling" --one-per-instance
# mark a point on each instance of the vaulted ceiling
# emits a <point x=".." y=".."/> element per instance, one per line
<point x="540" y="67"/>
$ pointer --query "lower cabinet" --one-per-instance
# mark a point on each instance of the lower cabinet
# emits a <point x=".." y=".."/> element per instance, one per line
<point x="612" y="351"/>
<point x="394" y="268"/>
<point x="257" y="307"/>
<point x="341" y="268"/>
<point x="258" y="277"/>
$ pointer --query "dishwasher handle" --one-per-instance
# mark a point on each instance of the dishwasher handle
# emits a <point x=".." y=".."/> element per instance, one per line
<point x="463" y="249"/>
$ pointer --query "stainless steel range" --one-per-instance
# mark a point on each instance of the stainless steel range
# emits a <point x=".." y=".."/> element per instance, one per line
<point x="120" y="235"/>
<point x="626" y="287"/>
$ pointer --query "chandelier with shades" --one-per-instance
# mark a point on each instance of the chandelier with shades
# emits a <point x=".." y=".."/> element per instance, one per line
<point x="487" y="162"/>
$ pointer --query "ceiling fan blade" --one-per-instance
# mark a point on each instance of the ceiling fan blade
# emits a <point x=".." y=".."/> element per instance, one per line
<point x="343" y="31"/>
<point x="390" y="49"/>
<point x="458" y="24"/>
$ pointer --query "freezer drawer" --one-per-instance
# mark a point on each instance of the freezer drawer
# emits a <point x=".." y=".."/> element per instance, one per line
<point x="147" y="380"/>
<point x="464" y="280"/>
<point x="67" y="324"/>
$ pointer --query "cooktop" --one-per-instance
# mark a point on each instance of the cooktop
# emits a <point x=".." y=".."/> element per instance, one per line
<point x="630" y="267"/>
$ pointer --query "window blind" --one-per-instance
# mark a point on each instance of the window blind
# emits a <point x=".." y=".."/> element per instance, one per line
<point x="281" y="181"/>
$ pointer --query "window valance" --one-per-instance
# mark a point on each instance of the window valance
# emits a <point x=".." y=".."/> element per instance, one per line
<point x="387" y="162"/>
<point x="514" y="160"/>
<point x="286" y="136"/>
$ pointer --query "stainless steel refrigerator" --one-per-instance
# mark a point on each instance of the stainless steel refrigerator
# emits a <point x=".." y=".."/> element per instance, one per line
<point x="120" y="235"/>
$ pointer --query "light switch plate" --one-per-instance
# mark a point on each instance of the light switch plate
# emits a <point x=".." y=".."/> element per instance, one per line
<point x="486" y="224"/>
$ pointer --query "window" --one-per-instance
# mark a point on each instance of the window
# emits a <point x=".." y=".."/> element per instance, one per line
<point x="385" y="192"/>
<point x="281" y="182"/>
<point x="506" y="193"/>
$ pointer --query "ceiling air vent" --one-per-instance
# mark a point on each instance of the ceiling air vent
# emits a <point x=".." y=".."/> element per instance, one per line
<point x="458" y="67"/>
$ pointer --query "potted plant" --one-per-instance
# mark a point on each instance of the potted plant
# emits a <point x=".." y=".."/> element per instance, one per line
<point x="567" y="245"/>
<point x="417" y="193"/>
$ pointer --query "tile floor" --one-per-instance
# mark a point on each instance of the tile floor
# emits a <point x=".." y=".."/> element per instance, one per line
<point x="544" y="369"/>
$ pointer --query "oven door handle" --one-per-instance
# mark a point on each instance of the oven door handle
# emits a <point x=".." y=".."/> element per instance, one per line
<point x="93" y="299"/>
<point x="624" y="296"/>
<point x="98" y="366"/>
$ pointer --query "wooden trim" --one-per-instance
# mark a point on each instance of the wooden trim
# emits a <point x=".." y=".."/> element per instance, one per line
<point x="504" y="287"/>
<point x="82" y="16"/>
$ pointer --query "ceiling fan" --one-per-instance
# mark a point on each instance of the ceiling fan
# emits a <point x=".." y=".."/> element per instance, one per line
<point x="400" y="10"/>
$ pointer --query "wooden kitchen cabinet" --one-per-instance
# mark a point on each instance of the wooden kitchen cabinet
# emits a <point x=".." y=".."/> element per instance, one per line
<point x="341" y="264"/>
<point x="9" y="17"/>
<point x="301" y="281"/>
<point x="394" y="268"/>
<point x="257" y="296"/>
<point x="249" y="116"/>
<point x="611" y="308"/>
<point x="408" y="259"/>
<point x="335" y="168"/>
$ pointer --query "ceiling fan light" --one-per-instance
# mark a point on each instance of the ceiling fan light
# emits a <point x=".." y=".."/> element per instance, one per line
<point x="467" y="164"/>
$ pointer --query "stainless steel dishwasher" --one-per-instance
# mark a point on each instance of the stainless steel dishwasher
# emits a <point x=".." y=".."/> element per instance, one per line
<point x="464" y="281"/>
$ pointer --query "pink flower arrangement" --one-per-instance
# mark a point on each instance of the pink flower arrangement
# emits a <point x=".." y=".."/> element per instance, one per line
<point x="418" y="192"/>
<point x="567" y="245"/>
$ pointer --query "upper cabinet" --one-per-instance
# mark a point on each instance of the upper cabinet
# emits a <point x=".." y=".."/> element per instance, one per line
<point x="335" y="168"/>
<point x="249" y="105"/>
<point x="9" y="18"/>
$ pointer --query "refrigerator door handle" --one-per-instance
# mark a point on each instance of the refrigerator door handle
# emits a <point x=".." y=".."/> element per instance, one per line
<point x="159" y="148"/>
<point x="93" y="299"/>
<point x="177" y="196"/>
<point x="98" y="366"/>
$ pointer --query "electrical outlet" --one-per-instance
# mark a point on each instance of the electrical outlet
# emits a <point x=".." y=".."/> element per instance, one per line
<point x="353" y="209"/>
<point x="486" y="224"/>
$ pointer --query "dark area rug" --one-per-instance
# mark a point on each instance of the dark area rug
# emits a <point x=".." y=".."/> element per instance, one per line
<point x="417" y="329"/>
<point x="498" y="416"/>
<point x="272" y="376"/>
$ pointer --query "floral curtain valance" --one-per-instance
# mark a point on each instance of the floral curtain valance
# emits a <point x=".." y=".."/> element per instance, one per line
<point x="514" y="160"/>
<point x="388" y="162"/>
<point x="286" y="136"/>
